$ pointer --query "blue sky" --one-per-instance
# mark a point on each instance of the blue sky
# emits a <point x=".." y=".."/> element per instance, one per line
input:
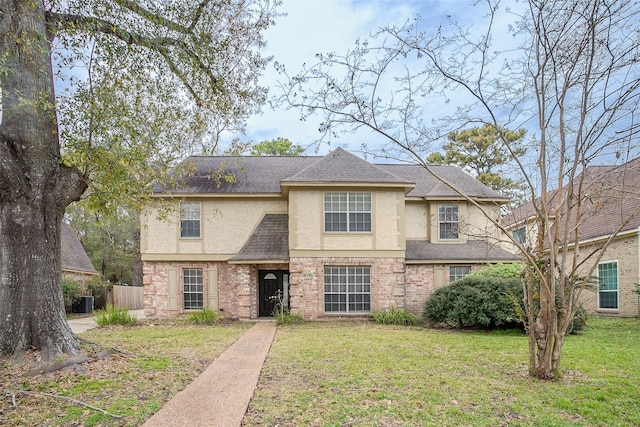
<point x="321" y="26"/>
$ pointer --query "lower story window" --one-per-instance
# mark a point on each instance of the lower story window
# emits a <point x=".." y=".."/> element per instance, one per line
<point x="192" y="288"/>
<point x="347" y="289"/>
<point x="458" y="272"/>
<point x="608" y="289"/>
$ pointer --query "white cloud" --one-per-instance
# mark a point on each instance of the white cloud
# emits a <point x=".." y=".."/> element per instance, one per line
<point x="322" y="26"/>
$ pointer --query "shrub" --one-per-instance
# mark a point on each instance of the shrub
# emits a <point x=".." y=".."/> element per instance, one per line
<point x="579" y="321"/>
<point x="115" y="316"/>
<point x="203" y="317"/>
<point x="286" y="318"/>
<point x="506" y="271"/>
<point x="476" y="301"/>
<point x="396" y="316"/>
<point x="488" y="302"/>
<point x="70" y="293"/>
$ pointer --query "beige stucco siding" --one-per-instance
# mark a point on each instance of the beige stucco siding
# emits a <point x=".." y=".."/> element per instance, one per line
<point x="306" y="223"/>
<point x="305" y="219"/>
<point x="473" y="223"/>
<point x="228" y="227"/>
<point x="225" y="226"/>
<point x="416" y="220"/>
<point x="389" y="220"/>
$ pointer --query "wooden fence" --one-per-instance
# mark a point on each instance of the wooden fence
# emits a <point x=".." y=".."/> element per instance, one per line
<point x="130" y="297"/>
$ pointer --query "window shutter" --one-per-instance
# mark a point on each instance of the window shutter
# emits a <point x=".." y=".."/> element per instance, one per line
<point x="213" y="290"/>
<point x="172" y="285"/>
<point x="439" y="276"/>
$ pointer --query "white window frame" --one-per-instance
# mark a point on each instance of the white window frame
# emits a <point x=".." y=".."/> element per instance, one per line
<point x="347" y="289"/>
<point x="453" y="277"/>
<point x="445" y="217"/>
<point x="355" y="207"/>
<point x="190" y="213"/>
<point x="616" y="290"/>
<point x="192" y="285"/>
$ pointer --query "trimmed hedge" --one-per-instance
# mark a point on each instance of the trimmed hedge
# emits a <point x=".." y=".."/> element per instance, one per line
<point x="476" y="301"/>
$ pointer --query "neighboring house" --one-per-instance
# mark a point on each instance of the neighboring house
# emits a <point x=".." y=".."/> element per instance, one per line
<point x="76" y="265"/>
<point x="336" y="235"/>
<point x="611" y="203"/>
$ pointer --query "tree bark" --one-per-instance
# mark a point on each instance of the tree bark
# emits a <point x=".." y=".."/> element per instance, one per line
<point x="35" y="189"/>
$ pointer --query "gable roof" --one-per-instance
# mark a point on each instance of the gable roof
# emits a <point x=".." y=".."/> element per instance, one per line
<point x="345" y="167"/>
<point x="267" y="175"/>
<point x="612" y="197"/>
<point x="73" y="256"/>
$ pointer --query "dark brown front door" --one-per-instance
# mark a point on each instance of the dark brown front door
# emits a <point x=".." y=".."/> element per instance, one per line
<point x="270" y="282"/>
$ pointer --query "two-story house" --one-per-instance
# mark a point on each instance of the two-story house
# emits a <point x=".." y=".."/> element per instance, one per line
<point x="606" y="211"/>
<point x="336" y="235"/>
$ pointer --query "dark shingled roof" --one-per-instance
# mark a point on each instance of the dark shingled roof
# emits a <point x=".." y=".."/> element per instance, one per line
<point x="253" y="174"/>
<point x="428" y="185"/>
<point x="73" y="255"/>
<point x="342" y="166"/>
<point x="611" y="198"/>
<point x="472" y="250"/>
<point x="269" y="241"/>
<point x="265" y="174"/>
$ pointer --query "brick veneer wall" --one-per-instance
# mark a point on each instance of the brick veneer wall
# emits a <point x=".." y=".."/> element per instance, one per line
<point x="237" y="287"/>
<point x="392" y="285"/>
<point x="307" y="283"/>
<point x="624" y="250"/>
<point x="420" y="286"/>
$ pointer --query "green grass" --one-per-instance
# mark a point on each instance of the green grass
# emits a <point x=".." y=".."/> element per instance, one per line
<point x="115" y="316"/>
<point x="203" y="317"/>
<point x="286" y="318"/>
<point x="348" y="374"/>
<point x="396" y="316"/>
<point x="329" y="374"/>
<point x="154" y="362"/>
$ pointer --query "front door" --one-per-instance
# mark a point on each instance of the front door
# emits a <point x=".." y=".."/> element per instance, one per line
<point x="270" y="282"/>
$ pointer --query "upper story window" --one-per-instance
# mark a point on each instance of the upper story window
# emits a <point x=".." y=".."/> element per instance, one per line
<point x="520" y="234"/>
<point x="448" y="218"/>
<point x="189" y="219"/>
<point x="347" y="212"/>
<point x="608" y="289"/>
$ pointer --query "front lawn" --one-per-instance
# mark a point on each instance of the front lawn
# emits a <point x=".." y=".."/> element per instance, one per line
<point x="346" y="374"/>
<point x="156" y="360"/>
<point x="360" y="374"/>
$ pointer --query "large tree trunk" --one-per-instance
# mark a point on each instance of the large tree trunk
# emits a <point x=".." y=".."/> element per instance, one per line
<point x="35" y="189"/>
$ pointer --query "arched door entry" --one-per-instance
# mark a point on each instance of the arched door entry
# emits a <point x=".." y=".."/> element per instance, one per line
<point x="270" y="282"/>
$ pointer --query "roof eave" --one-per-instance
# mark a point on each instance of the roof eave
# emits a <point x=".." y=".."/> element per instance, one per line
<point x="179" y="195"/>
<point x="259" y="261"/>
<point x="460" y="261"/>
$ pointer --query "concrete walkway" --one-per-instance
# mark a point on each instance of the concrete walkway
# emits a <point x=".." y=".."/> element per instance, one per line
<point x="219" y="397"/>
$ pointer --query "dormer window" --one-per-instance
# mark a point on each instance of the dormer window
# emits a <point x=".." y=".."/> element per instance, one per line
<point x="448" y="219"/>
<point x="347" y="212"/>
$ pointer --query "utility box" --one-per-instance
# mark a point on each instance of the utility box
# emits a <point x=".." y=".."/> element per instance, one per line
<point x="85" y="305"/>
